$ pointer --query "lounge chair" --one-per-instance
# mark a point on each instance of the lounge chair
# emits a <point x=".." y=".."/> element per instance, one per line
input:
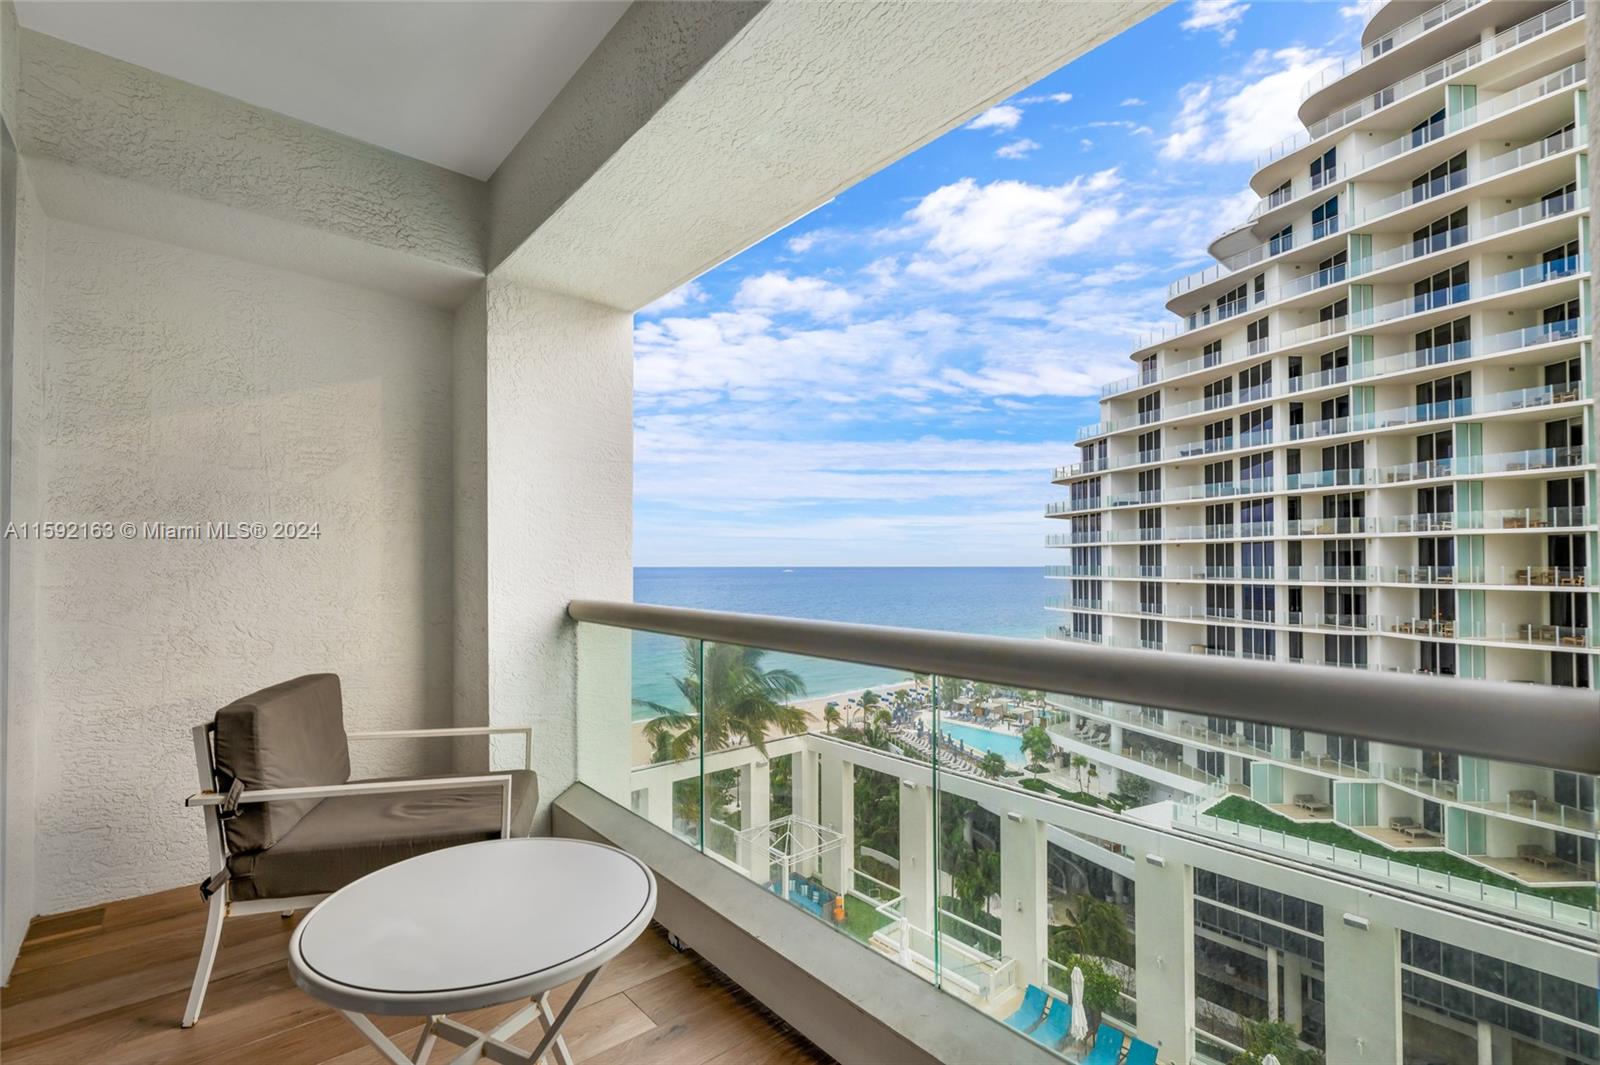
<point x="1107" y="1047"/>
<point x="1031" y="1012"/>
<point x="1054" y="1029"/>
<point x="1140" y="1053"/>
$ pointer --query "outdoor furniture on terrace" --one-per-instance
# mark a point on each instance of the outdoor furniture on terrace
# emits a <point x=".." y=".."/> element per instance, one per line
<point x="1107" y="1047"/>
<point x="1054" y="1029"/>
<point x="1031" y="1012"/>
<point x="1523" y="796"/>
<point x="1402" y="824"/>
<point x="1310" y="803"/>
<point x="1140" y="1053"/>
<point x="471" y="927"/>
<point x="286" y="826"/>
<point x="1536" y="854"/>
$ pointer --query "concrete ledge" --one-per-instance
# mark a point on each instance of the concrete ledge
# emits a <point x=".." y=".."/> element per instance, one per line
<point x="854" y="1004"/>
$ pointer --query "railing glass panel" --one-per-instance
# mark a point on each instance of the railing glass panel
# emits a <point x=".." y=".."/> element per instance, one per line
<point x="992" y="838"/>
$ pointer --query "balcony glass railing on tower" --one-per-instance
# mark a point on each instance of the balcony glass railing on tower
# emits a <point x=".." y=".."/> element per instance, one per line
<point x="998" y="827"/>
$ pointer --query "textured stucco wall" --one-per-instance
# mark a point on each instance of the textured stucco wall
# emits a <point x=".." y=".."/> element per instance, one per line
<point x="185" y="387"/>
<point x="29" y="309"/>
<point x="559" y="504"/>
<point x="130" y="148"/>
<point x="469" y="368"/>
<point x="803" y="101"/>
<point x="652" y="51"/>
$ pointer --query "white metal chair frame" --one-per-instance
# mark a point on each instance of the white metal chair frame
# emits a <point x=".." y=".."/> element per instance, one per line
<point x="216" y="889"/>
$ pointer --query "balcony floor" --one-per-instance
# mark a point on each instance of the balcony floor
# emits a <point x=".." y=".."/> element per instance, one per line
<point x="108" y="985"/>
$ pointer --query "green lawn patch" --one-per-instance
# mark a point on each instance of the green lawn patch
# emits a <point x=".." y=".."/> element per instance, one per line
<point x="1044" y="787"/>
<point x="860" y="919"/>
<point x="1249" y="812"/>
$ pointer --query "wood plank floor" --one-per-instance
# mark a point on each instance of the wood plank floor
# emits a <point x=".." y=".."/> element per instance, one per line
<point x="108" y="985"/>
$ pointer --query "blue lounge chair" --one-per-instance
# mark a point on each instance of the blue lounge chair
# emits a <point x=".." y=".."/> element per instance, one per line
<point x="1140" y="1053"/>
<point x="1054" y="1029"/>
<point x="1107" y="1046"/>
<point x="1031" y="1012"/>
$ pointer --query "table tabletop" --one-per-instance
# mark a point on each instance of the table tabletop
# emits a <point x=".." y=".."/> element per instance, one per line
<point x="472" y="926"/>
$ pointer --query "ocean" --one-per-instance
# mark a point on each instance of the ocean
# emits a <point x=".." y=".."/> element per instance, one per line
<point x="988" y="601"/>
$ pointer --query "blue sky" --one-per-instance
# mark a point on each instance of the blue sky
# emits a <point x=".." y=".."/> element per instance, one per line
<point x="889" y="380"/>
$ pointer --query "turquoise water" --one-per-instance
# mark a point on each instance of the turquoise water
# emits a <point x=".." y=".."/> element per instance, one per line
<point x="990" y="601"/>
<point x="983" y="740"/>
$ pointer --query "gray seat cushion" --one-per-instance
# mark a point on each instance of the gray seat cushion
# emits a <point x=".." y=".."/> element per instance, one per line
<point x="290" y="735"/>
<point x="350" y="836"/>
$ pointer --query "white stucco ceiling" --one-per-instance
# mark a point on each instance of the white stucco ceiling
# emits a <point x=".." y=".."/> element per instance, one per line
<point x="454" y="83"/>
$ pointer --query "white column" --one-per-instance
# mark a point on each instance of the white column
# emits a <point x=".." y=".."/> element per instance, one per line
<point x="917" y="881"/>
<point x="837" y="781"/>
<point x="1485" y="1043"/>
<point x="544" y="513"/>
<point x="755" y="810"/>
<point x="1024" y="896"/>
<point x="1293" y="1009"/>
<point x="1164" y="951"/>
<point x="1272" y="984"/>
<point x="803" y="789"/>
<point x="658" y="801"/>
<point x="1362" y="974"/>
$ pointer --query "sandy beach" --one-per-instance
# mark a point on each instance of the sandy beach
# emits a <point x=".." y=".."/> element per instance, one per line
<point x="812" y="705"/>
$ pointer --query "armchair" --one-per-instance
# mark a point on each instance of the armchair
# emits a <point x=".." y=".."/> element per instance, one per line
<point x="286" y="826"/>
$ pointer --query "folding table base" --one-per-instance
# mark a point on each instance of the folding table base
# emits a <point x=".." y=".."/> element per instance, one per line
<point x="479" y="1046"/>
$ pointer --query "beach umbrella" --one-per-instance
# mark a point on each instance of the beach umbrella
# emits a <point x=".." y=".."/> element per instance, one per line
<point x="1270" y="1059"/>
<point x="1080" y="1015"/>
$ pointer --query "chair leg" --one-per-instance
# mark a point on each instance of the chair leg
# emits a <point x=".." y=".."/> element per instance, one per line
<point x="208" y="955"/>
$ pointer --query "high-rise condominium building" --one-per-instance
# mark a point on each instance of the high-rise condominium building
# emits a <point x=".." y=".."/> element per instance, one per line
<point x="1369" y="441"/>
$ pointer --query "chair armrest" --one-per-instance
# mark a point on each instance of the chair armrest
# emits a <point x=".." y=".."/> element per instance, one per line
<point x="453" y="733"/>
<point x="371" y="787"/>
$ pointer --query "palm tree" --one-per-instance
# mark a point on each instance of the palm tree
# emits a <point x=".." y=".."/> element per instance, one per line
<point x="993" y="764"/>
<point x="1087" y="925"/>
<point x="1038" y="745"/>
<point x="739" y="701"/>
<point x="830" y="716"/>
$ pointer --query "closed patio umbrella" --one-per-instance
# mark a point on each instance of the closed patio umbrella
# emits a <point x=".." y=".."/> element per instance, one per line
<point x="1080" y="1015"/>
<point x="1270" y="1059"/>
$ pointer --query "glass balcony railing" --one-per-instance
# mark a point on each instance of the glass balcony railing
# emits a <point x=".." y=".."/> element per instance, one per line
<point x="1491" y="520"/>
<point x="1562" y="79"/>
<point x="1532" y="633"/>
<point x="1512" y="340"/>
<point x="991" y="815"/>
<point x="1402" y="34"/>
<point x="1498" y="403"/>
<point x="1437" y="74"/>
<point x="1531" y="576"/>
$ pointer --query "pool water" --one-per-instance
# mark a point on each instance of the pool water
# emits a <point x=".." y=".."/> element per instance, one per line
<point x="982" y="739"/>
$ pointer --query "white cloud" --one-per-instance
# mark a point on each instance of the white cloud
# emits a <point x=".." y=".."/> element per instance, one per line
<point x="1218" y="16"/>
<point x="1048" y="98"/>
<point x="977" y="235"/>
<point x="1236" y="117"/>
<point x="1132" y="101"/>
<point x="677" y="299"/>
<point x="1017" y="149"/>
<point x="999" y="118"/>
<point x="1360" y="10"/>
<point x="1085" y="143"/>
<point x="778" y="293"/>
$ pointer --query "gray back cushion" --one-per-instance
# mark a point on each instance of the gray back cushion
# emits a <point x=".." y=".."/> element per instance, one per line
<point x="290" y="735"/>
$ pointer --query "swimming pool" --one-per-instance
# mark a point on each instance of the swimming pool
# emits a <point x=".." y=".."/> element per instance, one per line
<point x="1003" y="743"/>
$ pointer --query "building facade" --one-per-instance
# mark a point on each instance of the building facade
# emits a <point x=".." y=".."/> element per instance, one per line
<point x="1369" y="442"/>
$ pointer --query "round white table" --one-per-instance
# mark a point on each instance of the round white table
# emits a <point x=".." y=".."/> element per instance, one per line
<point x="473" y="926"/>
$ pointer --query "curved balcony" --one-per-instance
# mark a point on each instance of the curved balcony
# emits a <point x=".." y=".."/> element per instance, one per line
<point x="1405" y="33"/>
<point x="1525" y="277"/>
<point x="1444" y="354"/>
<point x="1489" y="168"/>
<point x="1270" y="249"/>
<point x="1562" y="79"/>
<point x="1437" y="74"/>
<point x="1467" y="406"/>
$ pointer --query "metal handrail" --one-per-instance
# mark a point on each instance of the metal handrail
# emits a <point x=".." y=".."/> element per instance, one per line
<point x="1551" y="726"/>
